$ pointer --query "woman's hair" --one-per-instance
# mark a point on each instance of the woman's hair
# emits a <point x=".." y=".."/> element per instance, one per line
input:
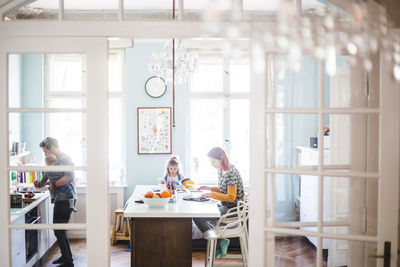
<point x="219" y="154"/>
<point x="172" y="161"/>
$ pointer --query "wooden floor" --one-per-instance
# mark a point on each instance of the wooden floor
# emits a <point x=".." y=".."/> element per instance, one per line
<point x="290" y="252"/>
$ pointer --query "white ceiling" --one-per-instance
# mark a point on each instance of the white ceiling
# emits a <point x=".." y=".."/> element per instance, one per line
<point x="255" y="5"/>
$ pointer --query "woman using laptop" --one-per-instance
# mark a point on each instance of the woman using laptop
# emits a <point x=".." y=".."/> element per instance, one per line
<point x="229" y="191"/>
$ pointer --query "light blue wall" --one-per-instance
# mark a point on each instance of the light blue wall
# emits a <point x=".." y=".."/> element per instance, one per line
<point x="146" y="169"/>
<point x="32" y="89"/>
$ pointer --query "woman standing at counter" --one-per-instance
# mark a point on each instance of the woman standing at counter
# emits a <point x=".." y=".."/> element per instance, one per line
<point x="229" y="192"/>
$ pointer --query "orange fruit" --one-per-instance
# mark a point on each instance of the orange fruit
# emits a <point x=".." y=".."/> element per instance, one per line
<point x="170" y="192"/>
<point x="165" y="194"/>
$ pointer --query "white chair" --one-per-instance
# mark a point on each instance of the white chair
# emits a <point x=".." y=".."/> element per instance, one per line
<point x="230" y="225"/>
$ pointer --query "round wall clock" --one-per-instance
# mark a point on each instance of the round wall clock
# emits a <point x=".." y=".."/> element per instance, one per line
<point x="155" y="86"/>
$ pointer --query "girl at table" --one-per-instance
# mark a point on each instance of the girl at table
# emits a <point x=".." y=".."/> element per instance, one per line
<point x="229" y="192"/>
<point x="173" y="177"/>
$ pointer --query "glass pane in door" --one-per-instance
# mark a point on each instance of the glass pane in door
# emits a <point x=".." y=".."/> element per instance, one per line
<point x="351" y="205"/>
<point x="351" y="253"/>
<point x="28" y="130"/>
<point x="352" y="86"/>
<point x="47" y="80"/>
<point x="294" y="251"/>
<point x="39" y="246"/>
<point x="295" y="89"/>
<point x="294" y="140"/>
<point x="287" y="198"/>
<point x="352" y="143"/>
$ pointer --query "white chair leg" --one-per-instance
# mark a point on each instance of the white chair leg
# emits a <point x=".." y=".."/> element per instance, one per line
<point x="208" y="253"/>
<point x="243" y="248"/>
<point x="246" y="231"/>
<point x="213" y="250"/>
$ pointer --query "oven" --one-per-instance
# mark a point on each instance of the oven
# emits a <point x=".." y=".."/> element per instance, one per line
<point x="31" y="236"/>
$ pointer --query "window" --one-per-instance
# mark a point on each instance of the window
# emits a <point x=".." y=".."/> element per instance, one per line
<point x="65" y="88"/>
<point x="219" y="115"/>
<point x="116" y="111"/>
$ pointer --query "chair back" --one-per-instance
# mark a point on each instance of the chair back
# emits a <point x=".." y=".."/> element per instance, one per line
<point x="234" y="220"/>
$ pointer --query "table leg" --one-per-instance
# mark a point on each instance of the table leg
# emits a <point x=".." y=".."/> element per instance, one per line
<point x="161" y="242"/>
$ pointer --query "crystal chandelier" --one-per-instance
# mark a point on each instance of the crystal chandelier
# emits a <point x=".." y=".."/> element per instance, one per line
<point x="360" y="32"/>
<point x="178" y="58"/>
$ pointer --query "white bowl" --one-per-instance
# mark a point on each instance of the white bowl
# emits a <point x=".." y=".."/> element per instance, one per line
<point x="156" y="202"/>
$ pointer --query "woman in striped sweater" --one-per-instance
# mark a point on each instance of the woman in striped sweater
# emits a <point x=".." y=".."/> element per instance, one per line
<point x="229" y="192"/>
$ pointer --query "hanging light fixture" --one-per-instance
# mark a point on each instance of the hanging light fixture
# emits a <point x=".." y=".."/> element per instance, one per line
<point x="362" y="30"/>
<point x="173" y="64"/>
<point x="174" y="57"/>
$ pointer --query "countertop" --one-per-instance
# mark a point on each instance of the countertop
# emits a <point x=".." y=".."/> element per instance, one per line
<point x="180" y="209"/>
<point x="312" y="149"/>
<point x="16" y="213"/>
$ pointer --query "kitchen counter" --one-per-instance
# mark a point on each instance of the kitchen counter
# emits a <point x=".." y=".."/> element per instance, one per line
<point x="17" y="213"/>
<point x="171" y="227"/>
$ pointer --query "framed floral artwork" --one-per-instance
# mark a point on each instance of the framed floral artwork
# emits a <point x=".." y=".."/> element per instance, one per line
<point x="154" y="130"/>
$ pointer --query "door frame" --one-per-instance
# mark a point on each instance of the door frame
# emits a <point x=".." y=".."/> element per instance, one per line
<point x="260" y="212"/>
<point x="96" y="50"/>
<point x="388" y="173"/>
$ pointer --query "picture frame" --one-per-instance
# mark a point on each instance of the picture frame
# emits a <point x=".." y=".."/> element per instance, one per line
<point x="154" y="130"/>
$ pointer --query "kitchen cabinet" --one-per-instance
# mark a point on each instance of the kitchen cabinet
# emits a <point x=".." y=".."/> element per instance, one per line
<point x="309" y="190"/>
<point x="46" y="237"/>
<point x="335" y="202"/>
<point x="18" y="244"/>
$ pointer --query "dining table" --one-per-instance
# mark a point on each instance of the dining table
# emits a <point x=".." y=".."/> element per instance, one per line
<point x="163" y="236"/>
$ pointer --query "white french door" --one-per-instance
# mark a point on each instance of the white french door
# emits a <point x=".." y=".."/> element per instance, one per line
<point x="347" y="188"/>
<point x="94" y="50"/>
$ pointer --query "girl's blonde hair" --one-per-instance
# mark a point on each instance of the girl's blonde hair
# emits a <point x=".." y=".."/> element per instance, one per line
<point x="172" y="161"/>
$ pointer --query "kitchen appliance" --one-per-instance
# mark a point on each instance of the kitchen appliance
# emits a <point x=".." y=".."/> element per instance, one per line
<point x="31" y="236"/>
<point x="15" y="148"/>
<point x="18" y="147"/>
<point x="16" y="201"/>
<point x="314" y="142"/>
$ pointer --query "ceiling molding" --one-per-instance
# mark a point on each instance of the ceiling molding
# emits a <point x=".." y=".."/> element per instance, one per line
<point x="123" y="29"/>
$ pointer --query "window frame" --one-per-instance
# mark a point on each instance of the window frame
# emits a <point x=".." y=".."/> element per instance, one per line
<point x="82" y="96"/>
<point x="122" y="96"/>
<point x="226" y="95"/>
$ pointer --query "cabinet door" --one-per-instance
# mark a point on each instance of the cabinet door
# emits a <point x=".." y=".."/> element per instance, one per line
<point x="52" y="237"/>
<point x="18" y="244"/>
<point x="43" y="210"/>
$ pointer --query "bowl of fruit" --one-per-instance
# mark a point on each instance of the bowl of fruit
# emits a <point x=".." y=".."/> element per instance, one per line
<point x="157" y="199"/>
